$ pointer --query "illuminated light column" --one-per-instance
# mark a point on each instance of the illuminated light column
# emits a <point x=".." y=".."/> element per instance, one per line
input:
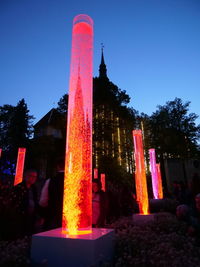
<point x="140" y="175"/>
<point x="77" y="202"/>
<point x="160" y="188"/>
<point x="95" y="173"/>
<point x="103" y="181"/>
<point x="154" y="173"/>
<point x="0" y="152"/>
<point x="20" y="166"/>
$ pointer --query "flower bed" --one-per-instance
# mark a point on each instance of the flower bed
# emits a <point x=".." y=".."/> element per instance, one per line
<point x="15" y="253"/>
<point x="161" y="243"/>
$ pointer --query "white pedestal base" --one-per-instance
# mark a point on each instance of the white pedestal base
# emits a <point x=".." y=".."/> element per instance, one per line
<point x="57" y="249"/>
<point x="142" y="219"/>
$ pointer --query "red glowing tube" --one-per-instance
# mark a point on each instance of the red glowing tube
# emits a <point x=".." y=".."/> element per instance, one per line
<point x="154" y="173"/>
<point x="140" y="175"/>
<point x="20" y="166"/>
<point x="160" y="189"/>
<point x="95" y="173"/>
<point x="0" y="152"/>
<point x="103" y="181"/>
<point x="77" y="202"/>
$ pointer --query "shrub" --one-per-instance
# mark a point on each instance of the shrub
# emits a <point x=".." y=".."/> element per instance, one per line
<point x="160" y="243"/>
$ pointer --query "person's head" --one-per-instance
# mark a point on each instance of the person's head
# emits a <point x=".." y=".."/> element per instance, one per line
<point x="30" y="177"/>
<point x="182" y="211"/>
<point x="96" y="186"/>
<point x="197" y="201"/>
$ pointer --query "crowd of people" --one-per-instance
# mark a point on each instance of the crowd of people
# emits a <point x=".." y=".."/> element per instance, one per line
<point x="25" y="210"/>
<point x="188" y="204"/>
<point x="18" y="207"/>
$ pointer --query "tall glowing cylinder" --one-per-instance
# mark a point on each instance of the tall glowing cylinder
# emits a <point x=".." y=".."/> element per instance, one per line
<point x="0" y="152"/>
<point x="140" y="174"/>
<point x="160" y="188"/>
<point x="77" y="202"/>
<point x="154" y="173"/>
<point x="20" y="165"/>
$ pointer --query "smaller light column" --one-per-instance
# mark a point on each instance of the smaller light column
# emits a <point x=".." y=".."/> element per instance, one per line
<point x="20" y="165"/>
<point x="154" y="173"/>
<point x="160" y="188"/>
<point x="95" y="173"/>
<point x="140" y="175"/>
<point x="0" y="152"/>
<point x="103" y="181"/>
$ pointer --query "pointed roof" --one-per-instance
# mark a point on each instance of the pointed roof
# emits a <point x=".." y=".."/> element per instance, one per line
<point x="102" y="66"/>
<point x="102" y="57"/>
<point x="50" y="118"/>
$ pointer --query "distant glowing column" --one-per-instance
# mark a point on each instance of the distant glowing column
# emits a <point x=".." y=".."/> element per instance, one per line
<point x="77" y="202"/>
<point x="140" y="175"/>
<point x="103" y="181"/>
<point x="95" y="173"/>
<point x="160" y="189"/>
<point x="154" y="173"/>
<point x="20" y="166"/>
<point x="0" y="152"/>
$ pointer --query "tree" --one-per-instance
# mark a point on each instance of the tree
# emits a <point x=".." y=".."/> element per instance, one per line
<point x="15" y="127"/>
<point x="107" y="92"/>
<point x="63" y="104"/>
<point x="6" y="114"/>
<point x="62" y="109"/>
<point x="173" y="131"/>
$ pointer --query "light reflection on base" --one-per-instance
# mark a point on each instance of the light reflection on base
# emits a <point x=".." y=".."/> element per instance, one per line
<point x="78" y="232"/>
<point x="88" y="234"/>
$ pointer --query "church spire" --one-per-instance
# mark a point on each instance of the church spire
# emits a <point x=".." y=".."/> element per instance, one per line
<point x="102" y="66"/>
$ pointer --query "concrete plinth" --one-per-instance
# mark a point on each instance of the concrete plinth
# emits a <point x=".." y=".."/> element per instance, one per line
<point x="58" y="249"/>
<point x="142" y="219"/>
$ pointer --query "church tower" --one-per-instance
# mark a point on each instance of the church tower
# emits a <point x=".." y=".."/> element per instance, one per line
<point x="112" y="138"/>
<point x="102" y="66"/>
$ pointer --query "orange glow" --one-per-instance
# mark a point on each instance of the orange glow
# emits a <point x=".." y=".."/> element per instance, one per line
<point x="20" y="166"/>
<point x="77" y="202"/>
<point x="95" y="173"/>
<point x="160" y="188"/>
<point x="140" y="175"/>
<point x="103" y="181"/>
<point x="81" y="232"/>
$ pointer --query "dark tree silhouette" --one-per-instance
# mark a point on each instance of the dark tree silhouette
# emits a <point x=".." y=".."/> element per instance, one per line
<point x="172" y="130"/>
<point x="63" y="104"/>
<point x="15" y="126"/>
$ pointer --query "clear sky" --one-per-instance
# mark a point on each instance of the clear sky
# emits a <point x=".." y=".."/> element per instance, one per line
<point x="152" y="50"/>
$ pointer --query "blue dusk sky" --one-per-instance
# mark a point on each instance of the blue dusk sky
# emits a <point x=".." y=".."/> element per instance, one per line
<point x="152" y="50"/>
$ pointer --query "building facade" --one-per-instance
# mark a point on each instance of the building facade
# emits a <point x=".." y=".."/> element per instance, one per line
<point x="113" y="123"/>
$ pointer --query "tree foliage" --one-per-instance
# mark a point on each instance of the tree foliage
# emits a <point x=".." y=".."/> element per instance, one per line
<point x="107" y="92"/>
<point x="171" y="129"/>
<point x="63" y="104"/>
<point x="15" y="126"/>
